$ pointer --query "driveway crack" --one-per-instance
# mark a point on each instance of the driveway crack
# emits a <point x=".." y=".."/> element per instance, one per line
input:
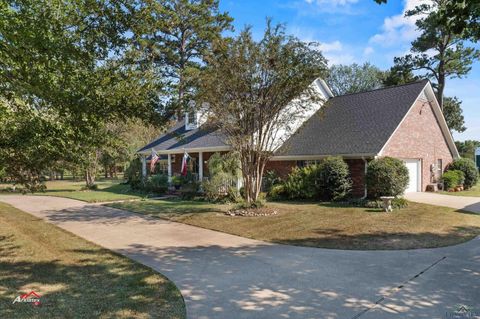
<point x="396" y="289"/>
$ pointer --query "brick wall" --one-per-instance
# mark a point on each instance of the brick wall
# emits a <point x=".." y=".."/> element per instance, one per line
<point x="420" y="137"/>
<point x="357" y="174"/>
<point x="282" y="168"/>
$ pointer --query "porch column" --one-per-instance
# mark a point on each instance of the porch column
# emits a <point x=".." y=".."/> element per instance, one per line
<point x="169" y="157"/>
<point x="200" y="166"/>
<point x="144" y="166"/>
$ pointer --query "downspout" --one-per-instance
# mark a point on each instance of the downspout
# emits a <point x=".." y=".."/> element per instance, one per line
<point x="365" y="177"/>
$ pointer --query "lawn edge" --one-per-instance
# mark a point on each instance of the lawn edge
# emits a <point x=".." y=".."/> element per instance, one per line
<point x="313" y="247"/>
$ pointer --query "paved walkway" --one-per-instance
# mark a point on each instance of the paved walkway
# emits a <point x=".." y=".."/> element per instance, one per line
<point x="471" y="204"/>
<point x="225" y="276"/>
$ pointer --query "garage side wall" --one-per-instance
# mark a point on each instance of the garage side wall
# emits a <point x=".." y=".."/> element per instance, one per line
<point x="420" y="137"/>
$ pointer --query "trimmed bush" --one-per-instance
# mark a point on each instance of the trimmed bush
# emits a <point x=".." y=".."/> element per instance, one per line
<point x="453" y="179"/>
<point x="386" y="176"/>
<point x="333" y="179"/>
<point x="470" y="171"/>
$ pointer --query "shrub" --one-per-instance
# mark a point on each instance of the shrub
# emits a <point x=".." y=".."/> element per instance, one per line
<point x="470" y="171"/>
<point x="189" y="190"/>
<point x="223" y="170"/>
<point x="332" y="181"/>
<point x="386" y="176"/>
<point x="259" y="203"/>
<point x="452" y="179"/>
<point x="298" y="184"/>
<point x="328" y="180"/>
<point x="157" y="184"/>
<point x="277" y="192"/>
<point x="133" y="174"/>
<point x="270" y="179"/>
<point x="399" y="203"/>
<point x="218" y="188"/>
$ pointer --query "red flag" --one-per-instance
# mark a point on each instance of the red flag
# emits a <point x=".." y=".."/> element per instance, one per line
<point x="153" y="160"/>
<point x="184" y="163"/>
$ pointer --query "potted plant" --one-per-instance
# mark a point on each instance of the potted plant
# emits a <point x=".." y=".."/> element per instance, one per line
<point x="177" y="182"/>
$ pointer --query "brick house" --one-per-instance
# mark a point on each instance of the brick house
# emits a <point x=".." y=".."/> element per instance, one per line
<point x="402" y="121"/>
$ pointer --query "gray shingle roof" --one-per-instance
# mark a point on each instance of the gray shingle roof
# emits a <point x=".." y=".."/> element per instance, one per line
<point x="177" y="138"/>
<point x="359" y="123"/>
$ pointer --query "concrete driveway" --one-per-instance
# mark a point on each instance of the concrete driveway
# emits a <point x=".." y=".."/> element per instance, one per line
<point x="225" y="276"/>
<point x="471" y="204"/>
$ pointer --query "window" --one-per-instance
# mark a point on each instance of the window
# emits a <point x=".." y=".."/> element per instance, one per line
<point x="307" y="163"/>
<point x="439" y="167"/>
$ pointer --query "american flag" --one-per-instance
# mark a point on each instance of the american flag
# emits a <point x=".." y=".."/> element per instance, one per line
<point x="184" y="163"/>
<point x="153" y="160"/>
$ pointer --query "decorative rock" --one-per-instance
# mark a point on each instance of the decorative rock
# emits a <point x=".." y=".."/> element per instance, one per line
<point x="254" y="212"/>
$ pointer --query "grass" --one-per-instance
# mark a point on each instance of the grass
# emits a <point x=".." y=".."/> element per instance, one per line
<point x="108" y="190"/>
<point x="474" y="191"/>
<point x="326" y="225"/>
<point x="75" y="278"/>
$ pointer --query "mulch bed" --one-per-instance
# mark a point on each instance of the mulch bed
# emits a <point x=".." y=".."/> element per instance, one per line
<point x="252" y="212"/>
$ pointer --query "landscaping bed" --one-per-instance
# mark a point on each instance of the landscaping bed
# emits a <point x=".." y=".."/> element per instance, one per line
<point x="326" y="225"/>
<point x="75" y="278"/>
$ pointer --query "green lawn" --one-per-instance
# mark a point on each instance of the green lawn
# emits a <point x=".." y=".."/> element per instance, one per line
<point x="474" y="191"/>
<point x="326" y="225"/>
<point x="108" y="190"/>
<point x="75" y="278"/>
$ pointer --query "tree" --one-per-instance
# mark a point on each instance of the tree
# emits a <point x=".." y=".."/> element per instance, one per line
<point x="467" y="148"/>
<point x="30" y="141"/>
<point x="452" y="110"/>
<point x="460" y="16"/>
<point x="176" y="35"/>
<point x="439" y="51"/>
<point x="399" y="74"/>
<point x="345" y="79"/>
<point x="76" y="60"/>
<point x="248" y="84"/>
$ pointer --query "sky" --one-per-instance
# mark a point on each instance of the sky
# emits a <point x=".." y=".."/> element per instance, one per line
<point x="356" y="31"/>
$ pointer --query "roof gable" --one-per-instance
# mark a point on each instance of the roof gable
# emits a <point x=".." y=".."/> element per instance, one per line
<point x="178" y="139"/>
<point x="359" y="123"/>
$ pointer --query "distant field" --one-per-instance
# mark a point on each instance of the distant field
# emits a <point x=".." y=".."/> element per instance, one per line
<point x="108" y="190"/>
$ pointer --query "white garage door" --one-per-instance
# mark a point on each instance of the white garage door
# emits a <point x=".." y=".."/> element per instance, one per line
<point x="413" y="166"/>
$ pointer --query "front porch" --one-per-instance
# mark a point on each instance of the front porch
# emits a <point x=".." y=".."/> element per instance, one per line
<point x="171" y="165"/>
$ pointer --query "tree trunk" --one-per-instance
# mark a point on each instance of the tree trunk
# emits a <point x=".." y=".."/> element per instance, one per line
<point x="89" y="178"/>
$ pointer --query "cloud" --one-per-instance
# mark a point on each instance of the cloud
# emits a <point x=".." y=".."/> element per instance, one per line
<point x="335" y="53"/>
<point x="331" y="46"/>
<point x="398" y="29"/>
<point x="326" y="6"/>
<point x="368" y="51"/>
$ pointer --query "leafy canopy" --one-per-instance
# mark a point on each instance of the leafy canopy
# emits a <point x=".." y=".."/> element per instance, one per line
<point x="248" y="83"/>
